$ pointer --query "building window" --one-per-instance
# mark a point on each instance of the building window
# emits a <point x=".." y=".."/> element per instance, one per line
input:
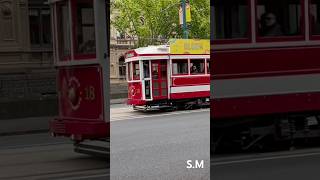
<point x="179" y="66"/>
<point x="279" y="18"/>
<point x="230" y="19"/>
<point x="40" y="26"/>
<point x="315" y="17"/>
<point x="122" y="67"/>
<point x="197" y="66"/>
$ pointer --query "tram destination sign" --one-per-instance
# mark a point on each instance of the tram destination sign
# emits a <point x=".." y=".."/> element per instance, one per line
<point x="189" y="46"/>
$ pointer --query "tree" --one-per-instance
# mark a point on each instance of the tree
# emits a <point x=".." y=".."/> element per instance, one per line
<point x="154" y="20"/>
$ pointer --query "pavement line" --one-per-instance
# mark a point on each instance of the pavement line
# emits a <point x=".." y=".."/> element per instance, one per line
<point x="156" y="115"/>
<point x="264" y="159"/>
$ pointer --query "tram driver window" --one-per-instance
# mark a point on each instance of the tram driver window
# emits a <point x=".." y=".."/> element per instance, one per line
<point x="315" y="17"/>
<point x="136" y="70"/>
<point x="146" y="69"/>
<point x="197" y="66"/>
<point x="230" y="19"/>
<point x="85" y="32"/>
<point x="63" y="27"/>
<point x="279" y="18"/>
<point x="179" y="66"/>
<point x="129" y="70"/>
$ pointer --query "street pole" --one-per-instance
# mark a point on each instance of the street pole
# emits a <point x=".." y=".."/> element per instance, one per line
<point x="184" y="23"/>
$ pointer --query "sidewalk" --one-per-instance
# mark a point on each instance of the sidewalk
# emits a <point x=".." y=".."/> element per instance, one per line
<point x="33" y="124"/>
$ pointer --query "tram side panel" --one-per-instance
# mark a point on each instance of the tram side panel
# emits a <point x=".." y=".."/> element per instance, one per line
<point x="135" y="94"/>
<point x="260" y="82"/>
<point x="190" y="87"/>
<point x="80" y="104"/>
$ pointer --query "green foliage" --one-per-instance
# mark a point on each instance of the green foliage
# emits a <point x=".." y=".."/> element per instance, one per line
<point x="151" y="20"/>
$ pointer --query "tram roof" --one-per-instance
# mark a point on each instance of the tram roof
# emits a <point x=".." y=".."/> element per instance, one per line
<point x="161" y="49"/>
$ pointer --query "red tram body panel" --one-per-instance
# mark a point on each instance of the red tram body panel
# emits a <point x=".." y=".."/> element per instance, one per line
<point x="266" y="81"/>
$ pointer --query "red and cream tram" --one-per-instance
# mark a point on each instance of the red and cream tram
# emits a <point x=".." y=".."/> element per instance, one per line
<point x="266" y="72"/>
<point x="80" y="53"/>
<point x="169" y="76"/>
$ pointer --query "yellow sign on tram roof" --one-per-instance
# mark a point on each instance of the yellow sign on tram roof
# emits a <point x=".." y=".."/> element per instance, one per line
<point x="189" y="46"/>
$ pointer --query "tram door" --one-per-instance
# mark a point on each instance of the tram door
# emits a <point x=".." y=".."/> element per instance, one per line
<point x="159" y="79"/>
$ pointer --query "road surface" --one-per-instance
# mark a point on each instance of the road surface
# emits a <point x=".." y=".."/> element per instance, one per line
<point x="144" y="146"/>
<point x="294" y="165"/>
<point x="149" y="146"/>
<point x="39" y="156"/>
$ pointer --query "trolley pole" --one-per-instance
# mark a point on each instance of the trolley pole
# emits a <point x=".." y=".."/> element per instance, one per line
<point x="184" y="23"/>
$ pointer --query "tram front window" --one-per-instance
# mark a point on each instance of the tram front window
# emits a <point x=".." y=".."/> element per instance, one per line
<point x="85" y="40"/>
<point x="315" y="17"/>
<point x="146" y="69"/>
<point x="279" y="18"/>
<point x="136" y="71"/>
<point x="63" y="26"/>
<point x="230" y="19"/>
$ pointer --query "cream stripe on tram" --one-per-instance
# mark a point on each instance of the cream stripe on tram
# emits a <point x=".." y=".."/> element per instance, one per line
<point x="231" y="88"/>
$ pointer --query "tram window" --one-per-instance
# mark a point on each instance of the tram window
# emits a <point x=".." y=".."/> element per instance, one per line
<point x="230" y="19"/>
<point x="163" y="69"/>
<point x="279" y="18"/>
<point x="179" y="66"/>
<point x="315" y="17"/>
<point x="136" y="70"/>
<point x="197" y="66"/>
<point x="64" y="29"/>
<point x="147" y="86"/>
<point x="208" y="66"/>
<point x="129" y="69"/>
<point x="146" y="69"/>
<point x="85" y="39"/>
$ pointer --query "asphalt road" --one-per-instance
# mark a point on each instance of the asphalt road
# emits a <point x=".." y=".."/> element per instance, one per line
<point x="293" y="165"/>
<point x="39" y="156"/>
<point x="144" y="146"/>
<point x="158" y="145"/>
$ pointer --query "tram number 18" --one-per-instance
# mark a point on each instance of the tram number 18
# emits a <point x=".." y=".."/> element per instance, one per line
<point x="90" y="93"/>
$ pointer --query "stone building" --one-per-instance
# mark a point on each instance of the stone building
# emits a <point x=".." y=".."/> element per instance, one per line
<point x="119" y="45"/>
<point x="27" y="76"/>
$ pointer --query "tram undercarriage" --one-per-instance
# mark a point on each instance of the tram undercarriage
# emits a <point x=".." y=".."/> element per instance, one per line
<point x="181" y="104"/>
<point x="264" y="133"/>
<point x="98" y="148"/>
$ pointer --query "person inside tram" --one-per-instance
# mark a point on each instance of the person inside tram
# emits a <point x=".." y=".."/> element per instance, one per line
<point x="269" y="25"/>
<point x="194" y="70"/>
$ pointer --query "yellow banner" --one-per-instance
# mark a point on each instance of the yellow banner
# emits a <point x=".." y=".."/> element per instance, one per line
<point x="189" y="46"/>
<point x="188" y="13"/>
